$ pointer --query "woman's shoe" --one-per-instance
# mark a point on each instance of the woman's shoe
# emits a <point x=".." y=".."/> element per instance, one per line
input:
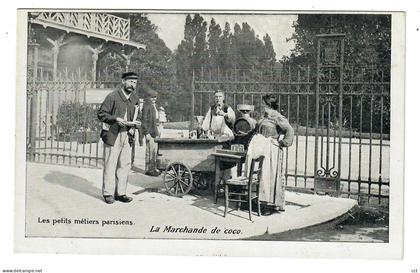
<point x="277" y="210"/>
<point x="267" y="212"/>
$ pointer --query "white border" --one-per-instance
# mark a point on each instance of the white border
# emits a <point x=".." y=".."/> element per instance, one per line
<point x="92" y="263"/>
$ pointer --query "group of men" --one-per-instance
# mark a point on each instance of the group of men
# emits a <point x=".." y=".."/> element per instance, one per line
<point x="121" y="115"/>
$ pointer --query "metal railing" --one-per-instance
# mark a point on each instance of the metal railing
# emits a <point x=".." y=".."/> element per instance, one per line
<point x="365" y="121"/>
<point x="62" y="127"/>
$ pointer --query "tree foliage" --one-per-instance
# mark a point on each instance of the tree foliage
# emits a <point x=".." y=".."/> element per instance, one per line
<point x="367" y="57"/>
<point x="368" y="38"/>
<point x="215" y="44"/>
<point x="155" y="65"/>
<point x="73" y="117"/>
<point x="223" y="49"/>
<point x="209" y="46"/>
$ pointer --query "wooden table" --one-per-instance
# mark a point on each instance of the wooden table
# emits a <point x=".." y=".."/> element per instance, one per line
<point x="226" y="156"/>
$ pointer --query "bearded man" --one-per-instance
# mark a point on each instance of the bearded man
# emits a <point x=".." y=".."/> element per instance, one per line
<point x="119" y="117"/>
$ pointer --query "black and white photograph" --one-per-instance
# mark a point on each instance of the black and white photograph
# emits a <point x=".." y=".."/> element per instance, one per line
<point x="211" y="126"/>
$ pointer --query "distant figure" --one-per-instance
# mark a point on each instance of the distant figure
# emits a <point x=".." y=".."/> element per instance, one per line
<point x="162" y="119"/>
<point x="140" y="111"/>
<point x="219" y="118"/>
<point x="150" y="129"/>
<point x="117" y="113"/>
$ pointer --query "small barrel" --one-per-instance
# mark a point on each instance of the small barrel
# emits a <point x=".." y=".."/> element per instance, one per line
<point x="243" y="129"/>
<point x="244" y="126"/>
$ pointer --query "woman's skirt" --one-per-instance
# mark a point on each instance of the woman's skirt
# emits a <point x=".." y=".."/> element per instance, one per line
<point x="272" y="184"/>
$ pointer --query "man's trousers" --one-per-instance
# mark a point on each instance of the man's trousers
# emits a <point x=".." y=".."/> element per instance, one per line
<point x="151" y="152"/>
<point x="117" y="166"/>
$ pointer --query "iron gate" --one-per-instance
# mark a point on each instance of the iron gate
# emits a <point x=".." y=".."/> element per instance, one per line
<point x="340" y="113"/>
<point x="62" y="127"/>
<point x="329" y="97"/>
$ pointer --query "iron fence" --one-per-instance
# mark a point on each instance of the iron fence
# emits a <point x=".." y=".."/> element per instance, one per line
<point x="355" y="135"/>
<point x="62" y="128"/>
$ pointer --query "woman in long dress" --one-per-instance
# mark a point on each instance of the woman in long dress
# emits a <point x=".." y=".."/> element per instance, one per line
<point x="273" y="134"/>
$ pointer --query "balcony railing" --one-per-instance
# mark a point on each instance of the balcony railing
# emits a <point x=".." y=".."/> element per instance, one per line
<point x="101" y="25"/>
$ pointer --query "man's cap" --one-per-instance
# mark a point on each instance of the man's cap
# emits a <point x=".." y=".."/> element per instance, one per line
<point x="129" y="76"/>
<point x="245" y="107"/>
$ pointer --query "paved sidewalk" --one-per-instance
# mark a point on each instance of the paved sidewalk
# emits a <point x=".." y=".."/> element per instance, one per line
<point x="66" y="201"/>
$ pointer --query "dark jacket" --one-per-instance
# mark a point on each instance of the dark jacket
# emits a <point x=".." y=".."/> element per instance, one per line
<point x="113" y="107"/>
<point x="149" y="122"/>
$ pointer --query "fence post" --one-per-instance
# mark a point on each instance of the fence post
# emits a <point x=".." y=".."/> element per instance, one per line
<point x="318" y="61"/>
<point x="340" y="103"/>
<point x="192" y="101"/>
<point x="34" y="103"/>
<point x="330" y="55"/>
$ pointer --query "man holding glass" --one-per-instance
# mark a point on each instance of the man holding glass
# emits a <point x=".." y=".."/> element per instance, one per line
<point x="119" y="115"/>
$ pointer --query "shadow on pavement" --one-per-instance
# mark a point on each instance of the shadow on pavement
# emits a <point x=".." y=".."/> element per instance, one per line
<point x="73" y="182"/>
<point x="146" y="183"/>
<point x="207" y="204"/>
<point x="138" y="169"/>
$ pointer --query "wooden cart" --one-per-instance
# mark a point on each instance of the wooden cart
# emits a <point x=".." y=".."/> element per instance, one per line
<point x="188" y="163"/>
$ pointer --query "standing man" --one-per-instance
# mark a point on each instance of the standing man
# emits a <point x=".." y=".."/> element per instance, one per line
<point x="117" y="113"/>
<point x="219" y="118"/>
<point x="150" y="129"/>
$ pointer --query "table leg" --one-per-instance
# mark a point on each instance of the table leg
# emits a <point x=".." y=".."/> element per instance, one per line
<point x="216" y="178"/>
<point x="239" y="168"/>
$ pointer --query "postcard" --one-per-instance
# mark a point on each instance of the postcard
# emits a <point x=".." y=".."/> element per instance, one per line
<point x="227" y="133"/>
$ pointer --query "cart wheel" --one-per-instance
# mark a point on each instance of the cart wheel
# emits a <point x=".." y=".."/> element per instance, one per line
<point x="178" y="179"/>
